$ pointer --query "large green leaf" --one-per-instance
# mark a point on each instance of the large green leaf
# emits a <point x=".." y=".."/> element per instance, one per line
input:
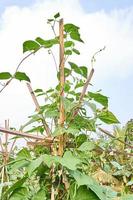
<point x="5" y="75"/>
<point x="21" y="76"/>
<point x="30" y="45"/>
<point x="108" y="117"/>
<point x="34" y="165"/>
<point x="24" y="153"/>
<point x="16" y="185"/>
<point x="83" y="193"/>
<point x="70" y="161"/>
<point x="83" y="179"/>
<point x="19" y="194"/>
<point x="99" y="98"/>
<point x="87" y="146"/>
<point x="76" y="36"/>
<point x="40" y="195"/>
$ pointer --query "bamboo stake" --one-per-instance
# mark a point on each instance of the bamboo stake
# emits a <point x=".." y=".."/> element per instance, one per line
<point x="17" y="133"/>
<point x="62" y="82"/>
<point x="48" y="132"/>
<point x="110" y="135"/>
<point x="6" y="140"/>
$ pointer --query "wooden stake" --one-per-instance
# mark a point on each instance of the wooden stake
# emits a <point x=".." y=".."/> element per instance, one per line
<point x="6" y="140"/>
<point x="48" y="132"/>
<point x="62" y="82"/>
<point x="21" y="134"/>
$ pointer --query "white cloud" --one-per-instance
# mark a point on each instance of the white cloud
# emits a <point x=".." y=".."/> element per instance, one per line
<point x="114" y="30"/>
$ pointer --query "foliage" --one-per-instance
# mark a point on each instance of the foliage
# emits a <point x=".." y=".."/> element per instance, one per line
<point x="92" y="167"/>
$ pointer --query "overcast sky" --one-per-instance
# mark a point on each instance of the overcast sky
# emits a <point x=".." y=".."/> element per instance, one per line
<point x="102" y="22"/>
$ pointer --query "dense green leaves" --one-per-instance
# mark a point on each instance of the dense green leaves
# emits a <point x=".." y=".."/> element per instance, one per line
<point x="21" y="76"/>
<point x="108" y="117"/>
<point x="30" y="45"/>
<point x="5" y="75"/>
<point x="80" y="171"/>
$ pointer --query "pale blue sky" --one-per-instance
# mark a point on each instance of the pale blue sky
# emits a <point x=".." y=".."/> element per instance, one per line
<point x="120" y="91"/>
<point x="88" y="5"/>
<point x="107" y="5"/>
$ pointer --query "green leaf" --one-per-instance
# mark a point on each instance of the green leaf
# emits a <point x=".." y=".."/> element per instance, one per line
<point x="68" y="52"/>
<point x="66" y="87"/>
<point x="19" y="164"/>
<point x="76" y="51"/>
<point x="20" y="194"/>
<point x="51" y="113"/>
<point x="80" y="139"/>
<point x="70" y="28"/>
<point x="30" y="45"/>
<point x="83" y="179"/>
<point x="68" y="105"/>
<point x="24" y="153"/>
<point x="70" y="161"/>
<point x="108" y="117"/>
<point x="99" y="98"/>
<point x="84" y="123"/>
<point x="79" y="70"/>
<point x="75" y="67"/>
<point x="38" y="90"/>
<point x="5" y="75"/>
<point x="87" y="146"/>
<point x="83" y="193"/>
<point x="34" y="165"/>
<point x="40" y="195"/>
<point x="68" y="44"/>
<point x="21" y="76"/>
<point x="84" y="71"/>
<point x="79" y="84"/>
<point x="47" y="43"/>
<point x="76" y="36"/>
<point x="73" y="31"/>
<point x="72" y="130"/>
<point x="16" y="185"/>
<point x="57" y="15"/>
<point x="67" y="72"/>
